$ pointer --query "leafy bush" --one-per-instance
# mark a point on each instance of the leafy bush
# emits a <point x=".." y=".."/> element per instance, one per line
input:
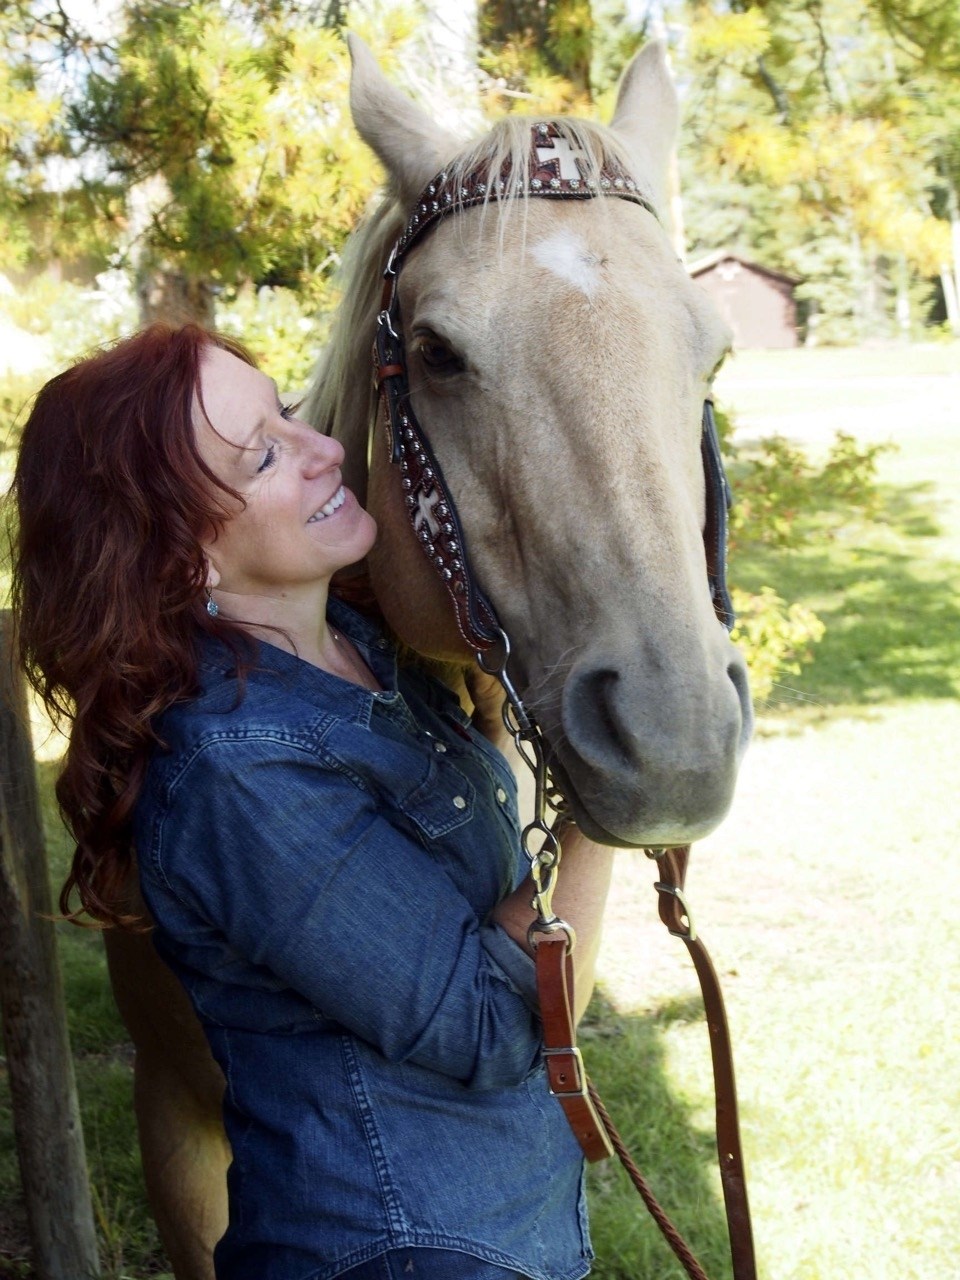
<point x="776" y="485"/>
<point x="776" y="638"/>
<point x="776" y="482"/>
<point x="274" y="324"/>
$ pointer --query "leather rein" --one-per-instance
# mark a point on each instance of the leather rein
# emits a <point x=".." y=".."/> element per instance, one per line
<point x="557" y="170"/>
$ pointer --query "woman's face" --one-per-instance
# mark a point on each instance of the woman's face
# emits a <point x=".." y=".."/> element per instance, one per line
<point x="299" y="524"/>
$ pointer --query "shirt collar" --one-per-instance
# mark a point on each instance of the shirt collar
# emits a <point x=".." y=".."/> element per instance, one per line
<point x="374" y="646"/>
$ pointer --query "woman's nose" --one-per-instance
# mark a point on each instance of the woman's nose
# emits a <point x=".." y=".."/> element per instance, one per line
<point x="320" y="452"/>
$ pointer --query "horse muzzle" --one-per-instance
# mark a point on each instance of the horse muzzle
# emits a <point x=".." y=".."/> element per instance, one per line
<point x="647" y="757"/>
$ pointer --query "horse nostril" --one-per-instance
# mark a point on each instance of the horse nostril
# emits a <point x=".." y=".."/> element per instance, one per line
<point x="592" y="708"/>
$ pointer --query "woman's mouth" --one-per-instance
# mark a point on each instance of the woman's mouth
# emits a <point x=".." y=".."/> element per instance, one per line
<point x="328" y="508"/>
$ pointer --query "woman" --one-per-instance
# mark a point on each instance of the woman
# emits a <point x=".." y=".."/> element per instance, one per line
<point x="328" y="848"/>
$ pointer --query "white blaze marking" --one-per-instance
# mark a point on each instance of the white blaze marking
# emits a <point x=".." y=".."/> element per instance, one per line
<point x="569" y="257"/>
<point x="565" y="153"/>
<point x="425" y="504"/>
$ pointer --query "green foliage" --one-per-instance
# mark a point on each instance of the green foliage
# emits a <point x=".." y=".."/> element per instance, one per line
<point x="72" y="319"/>
<point x="776" y="483"/>
<point x="272" y="323"/>
<point x="775" y="638"/>
<point x="778" y="490"/>
<point x="819" y="138"/>
<point x="210" y="142"/>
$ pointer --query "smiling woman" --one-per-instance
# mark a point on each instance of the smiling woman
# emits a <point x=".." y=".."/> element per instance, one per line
<point x="325" y="845"/>
<point x="294" y="524"/>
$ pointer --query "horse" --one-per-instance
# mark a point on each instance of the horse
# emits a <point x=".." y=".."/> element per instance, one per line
<point x="559" y="358"/>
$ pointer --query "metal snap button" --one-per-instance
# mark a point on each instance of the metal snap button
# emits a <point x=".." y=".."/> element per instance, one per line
<point x="459" y="802"/>
<point x="439" y="746"/>
<point x="501" y="795"/>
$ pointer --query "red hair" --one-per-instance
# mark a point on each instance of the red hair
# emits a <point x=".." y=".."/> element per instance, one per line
<point x="113" y="502"/>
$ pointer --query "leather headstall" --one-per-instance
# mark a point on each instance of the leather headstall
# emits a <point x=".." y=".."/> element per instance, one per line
<point x="556" y="171"/>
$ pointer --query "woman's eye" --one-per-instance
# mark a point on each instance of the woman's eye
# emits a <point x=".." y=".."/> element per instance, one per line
<point x="288" y="411"/>
<point x="269" y="458"/>
<point x="437" y="356"/>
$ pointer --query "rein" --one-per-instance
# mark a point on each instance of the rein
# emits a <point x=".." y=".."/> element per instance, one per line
<point x="558" y="171"/>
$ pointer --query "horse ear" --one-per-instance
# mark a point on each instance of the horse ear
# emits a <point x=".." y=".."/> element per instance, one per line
<point x="647" y="114"/>
<point x="410" y="144"/>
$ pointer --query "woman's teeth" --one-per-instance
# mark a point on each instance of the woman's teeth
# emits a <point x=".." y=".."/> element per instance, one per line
<point x="335" y="503"/>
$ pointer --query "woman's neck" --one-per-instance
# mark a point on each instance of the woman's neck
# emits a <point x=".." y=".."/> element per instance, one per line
<point x="299" y="626"/>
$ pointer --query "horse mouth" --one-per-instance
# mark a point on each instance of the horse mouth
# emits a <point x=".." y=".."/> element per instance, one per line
<point x="641" y="829"/>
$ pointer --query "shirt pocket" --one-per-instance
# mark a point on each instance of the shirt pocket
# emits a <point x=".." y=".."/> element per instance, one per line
<point x="444" y="801"/>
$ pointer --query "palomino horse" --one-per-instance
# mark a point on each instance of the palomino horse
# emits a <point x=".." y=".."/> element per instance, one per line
<point x="559" y="357"/>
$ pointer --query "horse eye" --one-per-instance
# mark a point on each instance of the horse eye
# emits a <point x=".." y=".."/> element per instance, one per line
<point x="437" y="356"/>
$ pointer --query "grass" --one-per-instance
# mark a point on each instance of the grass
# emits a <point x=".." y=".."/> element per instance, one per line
<point x="829" y="900"/>
<point x="830" y="896"/>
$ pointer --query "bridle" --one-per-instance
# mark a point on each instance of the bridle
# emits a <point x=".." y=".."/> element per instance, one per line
<point x="431" y="511"/>
<point x="557" y="171"/>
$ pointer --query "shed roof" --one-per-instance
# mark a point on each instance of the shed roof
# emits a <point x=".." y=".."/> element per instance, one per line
<point x="713" y="259"/>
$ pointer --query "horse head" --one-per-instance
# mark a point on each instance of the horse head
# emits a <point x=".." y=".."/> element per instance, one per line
<point x="558" y="359"/>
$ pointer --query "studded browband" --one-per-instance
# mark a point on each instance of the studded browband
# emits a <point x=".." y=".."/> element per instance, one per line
<point x="556" y="170"/>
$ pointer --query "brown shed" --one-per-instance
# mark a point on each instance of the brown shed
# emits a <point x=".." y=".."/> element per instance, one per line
<point x="756" y="302"/>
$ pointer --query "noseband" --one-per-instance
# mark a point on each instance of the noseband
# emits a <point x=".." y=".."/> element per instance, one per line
<point x="555" y="171"/>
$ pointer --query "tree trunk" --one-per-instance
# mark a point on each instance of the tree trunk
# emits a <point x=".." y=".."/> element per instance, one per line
<point x="953" y="291"/>
<point x="949" y="285"/>
<point x="174" y="297"/>
<point x="46" y="1119"/>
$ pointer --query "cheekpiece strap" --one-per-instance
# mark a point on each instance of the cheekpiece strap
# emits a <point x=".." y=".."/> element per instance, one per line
<point x="425" y="494"/>
<point x="719" y="501"/>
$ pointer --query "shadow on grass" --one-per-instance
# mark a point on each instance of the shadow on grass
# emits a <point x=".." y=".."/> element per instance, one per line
<point x="625" y="1057"/>
<point x="891" y="610"/>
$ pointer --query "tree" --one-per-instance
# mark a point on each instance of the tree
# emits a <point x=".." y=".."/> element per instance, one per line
<point x="208" y="144"/>
<point x="815" y="117"/>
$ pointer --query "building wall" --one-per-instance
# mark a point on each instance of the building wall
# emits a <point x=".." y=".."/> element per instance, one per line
<point x="759" y="308"/>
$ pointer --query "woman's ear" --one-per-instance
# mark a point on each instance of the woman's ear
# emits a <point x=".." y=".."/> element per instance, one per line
<point x="213" y="575"/>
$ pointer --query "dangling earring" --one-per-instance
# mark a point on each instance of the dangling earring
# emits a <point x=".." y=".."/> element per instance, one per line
<point x="212" y="607"/>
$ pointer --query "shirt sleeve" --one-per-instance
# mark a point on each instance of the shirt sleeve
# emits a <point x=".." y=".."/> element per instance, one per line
<point x="303" y="875"/>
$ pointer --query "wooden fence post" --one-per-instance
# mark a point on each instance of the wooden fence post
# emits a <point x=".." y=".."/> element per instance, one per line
<point x="46" y="1118"/>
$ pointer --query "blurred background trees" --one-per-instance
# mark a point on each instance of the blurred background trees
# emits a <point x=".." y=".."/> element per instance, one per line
<point x="202" y="148"/>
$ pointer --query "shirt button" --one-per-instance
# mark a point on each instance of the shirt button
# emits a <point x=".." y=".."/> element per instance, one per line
<point x="459" y="802"/>
<point x="501" y="795"/>
<point x="439" y="746"/>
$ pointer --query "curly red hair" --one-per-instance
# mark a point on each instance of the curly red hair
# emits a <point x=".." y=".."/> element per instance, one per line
<point x="113" y="502"/>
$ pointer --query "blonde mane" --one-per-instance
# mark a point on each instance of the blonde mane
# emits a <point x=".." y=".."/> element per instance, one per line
<point x="341" y="399"/>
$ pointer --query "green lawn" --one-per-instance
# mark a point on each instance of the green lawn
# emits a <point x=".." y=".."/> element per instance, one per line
<point x="829" y="898"/>
<point x="831" y="894"/>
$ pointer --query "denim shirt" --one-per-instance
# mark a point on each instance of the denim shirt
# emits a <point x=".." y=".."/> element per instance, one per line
<point x="321" y="862"/>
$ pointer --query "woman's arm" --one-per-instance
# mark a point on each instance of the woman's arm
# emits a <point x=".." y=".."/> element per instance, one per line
<point x="585" y="871"/>
<point x="296" y="867"/>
